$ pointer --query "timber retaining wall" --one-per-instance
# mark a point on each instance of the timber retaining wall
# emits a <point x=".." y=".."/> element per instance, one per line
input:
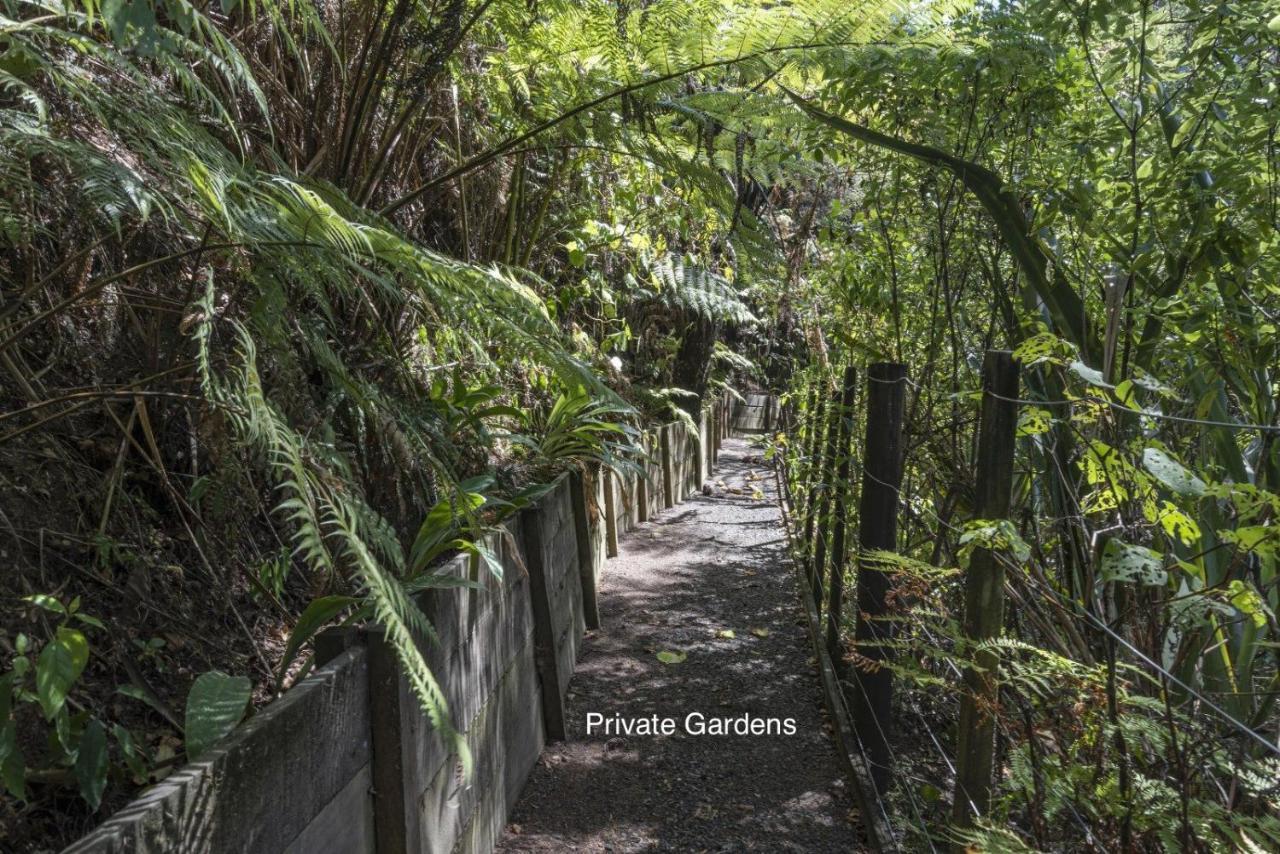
<point x="346" y="760"/>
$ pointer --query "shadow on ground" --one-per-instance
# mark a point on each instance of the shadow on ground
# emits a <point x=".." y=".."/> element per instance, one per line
<point x="714" y="564"/>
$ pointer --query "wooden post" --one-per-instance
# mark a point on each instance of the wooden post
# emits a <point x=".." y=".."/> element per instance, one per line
<point x="582" y="533"/>
<point x="715" y="435"/>
<point x="387" y="731"/>
<point x="642" y="480"/>
<point x="610" y="515"/>
<point x="334" y="641"/>
<point x="822" y="511"/>
<point x="819" y="424"/>
<point x="840" y="486"/>
<point x="544" y="641"/>
<point x="668" y="469"/>
<point x="808" y="448"/>
<point x="984" y="588"/>
<point x="704" y="448"/>
<point x="872" y="702"/>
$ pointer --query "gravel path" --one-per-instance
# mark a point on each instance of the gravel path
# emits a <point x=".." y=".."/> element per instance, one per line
<point x="712" y="565"/>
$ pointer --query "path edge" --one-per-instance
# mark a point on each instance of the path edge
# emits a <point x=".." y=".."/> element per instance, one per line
<point x="849" y="746"/>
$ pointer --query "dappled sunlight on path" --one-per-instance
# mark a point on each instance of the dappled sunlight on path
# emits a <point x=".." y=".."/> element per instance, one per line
<point x="707" y="580"/>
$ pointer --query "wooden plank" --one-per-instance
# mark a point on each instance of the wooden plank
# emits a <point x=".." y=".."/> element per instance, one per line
<point x="244" y="795"/>
<point x="505" y="740"/>
<point x="345" y="825"/>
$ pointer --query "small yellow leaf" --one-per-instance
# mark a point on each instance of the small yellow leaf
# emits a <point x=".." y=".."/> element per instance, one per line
<point x="760" y="633"/>
<point x="726" y="633"/>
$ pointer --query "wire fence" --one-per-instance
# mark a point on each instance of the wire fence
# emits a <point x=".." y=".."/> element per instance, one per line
<point x="806" y="469"/>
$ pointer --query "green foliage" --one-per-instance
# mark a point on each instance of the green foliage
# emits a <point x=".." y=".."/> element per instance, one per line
<point x="215" y="704"/>
<point x="77" y="741"/>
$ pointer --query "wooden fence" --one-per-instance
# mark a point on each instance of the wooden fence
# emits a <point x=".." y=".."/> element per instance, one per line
<point x="817" y="502"/>
<point x="346" y="761"/>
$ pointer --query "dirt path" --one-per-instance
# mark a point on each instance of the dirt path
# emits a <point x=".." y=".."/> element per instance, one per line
<point x="713" y="564"/>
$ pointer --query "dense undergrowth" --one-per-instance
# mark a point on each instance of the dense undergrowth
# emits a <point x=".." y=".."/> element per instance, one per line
<point x="297" y="297"/>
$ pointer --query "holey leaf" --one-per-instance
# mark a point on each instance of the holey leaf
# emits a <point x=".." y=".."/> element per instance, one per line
<point x="214" y="707"/>
<point x="1033" y="421"/>
<point x="1131" y="564"/>
<point x="1171" y="473"/>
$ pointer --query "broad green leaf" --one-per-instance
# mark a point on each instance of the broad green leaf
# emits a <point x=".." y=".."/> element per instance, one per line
<point x="1171" y="473"/>
<point x="13" y="770"/>
<point x="1090" y="375"/>
<point x="61" y="662"/>
<point x="215" y="705"/>
<point x="1132" y="564"/>
<point x="1042" y="347"/>
<point x="1178" y="524"/>
<point x="1264" y="540"/>
<point x="1246" y="600"/>
<point x="92" y="763"/>
<point x="47" y="602"/>
<point x="669" y="657"/>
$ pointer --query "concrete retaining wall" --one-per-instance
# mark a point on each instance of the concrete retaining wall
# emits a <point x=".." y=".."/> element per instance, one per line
<point x="346" y="761"/>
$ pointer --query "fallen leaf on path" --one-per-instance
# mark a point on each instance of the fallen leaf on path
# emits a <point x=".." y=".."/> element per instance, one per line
<point x="726" y="633"/>
<point x="669" y="657"/>
<point x="760" y="633"/>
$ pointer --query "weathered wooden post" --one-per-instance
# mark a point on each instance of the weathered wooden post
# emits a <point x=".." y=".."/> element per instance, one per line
<point x="702" y="447"/>
<point x="610" y="514"/>
<point x="808" y="448"/>
<point x="818" y="566"/>
<point x="392" y="805"/>
<point x="668" y="466"/>
<point x="984" y="588"/>
<point x="717" y="431"/>
<point x="819" y="424"/>
<point x="544" y="640"/>
<point x="642" y="479"/>
<point x="839" y="513"/>
<point x="582" y="534"/>
<point x="872" y="702"/>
